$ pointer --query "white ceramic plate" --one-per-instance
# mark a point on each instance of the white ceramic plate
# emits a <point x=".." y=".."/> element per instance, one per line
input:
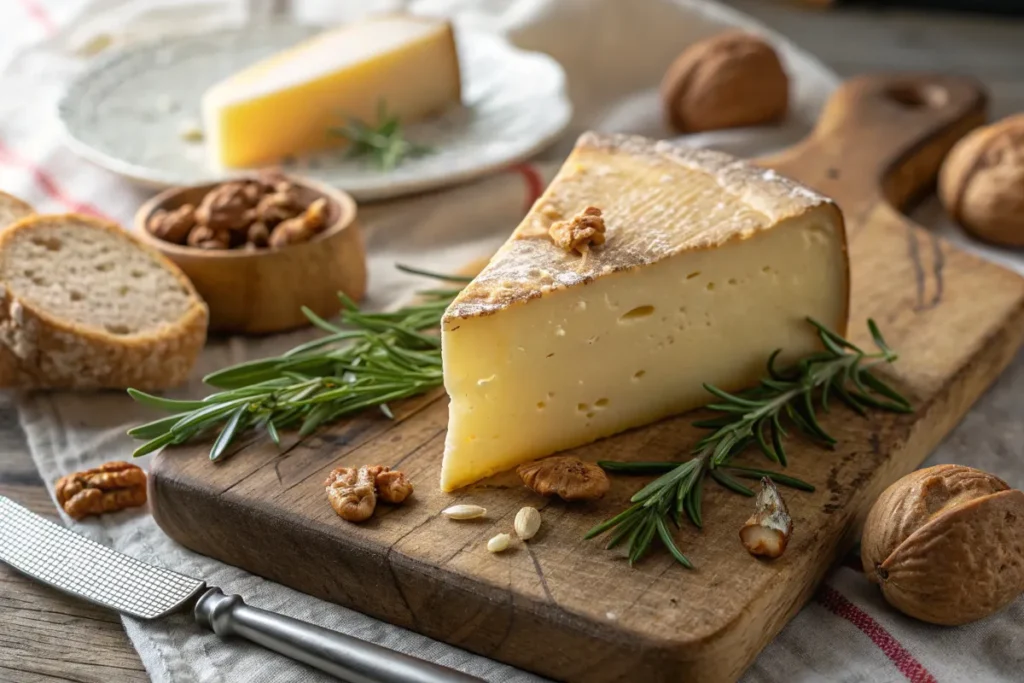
<point x="128" y="111"/>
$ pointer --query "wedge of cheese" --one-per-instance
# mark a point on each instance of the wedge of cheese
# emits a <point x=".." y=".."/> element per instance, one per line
<point x="286" y="105"/>
<point x="709" y="265"/>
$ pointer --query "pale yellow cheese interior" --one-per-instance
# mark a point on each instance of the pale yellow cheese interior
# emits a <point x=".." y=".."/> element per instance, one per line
<point x="546" y="352"/>
<point x="580" y="364"/>
<point x="286" y="105"/>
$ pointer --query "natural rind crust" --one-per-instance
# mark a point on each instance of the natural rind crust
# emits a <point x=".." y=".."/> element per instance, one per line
<point x="530" y="265"/>
<point x="41" y="351"/>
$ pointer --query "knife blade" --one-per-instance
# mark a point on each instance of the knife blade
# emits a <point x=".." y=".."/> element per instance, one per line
<point x="78" y="566"/>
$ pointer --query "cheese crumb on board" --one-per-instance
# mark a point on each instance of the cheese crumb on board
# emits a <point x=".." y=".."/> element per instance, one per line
<point x="699" y="280"/>
<point x="286" y="105"/>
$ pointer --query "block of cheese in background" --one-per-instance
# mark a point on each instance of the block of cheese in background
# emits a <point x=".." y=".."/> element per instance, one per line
<point x="709" y="265"/>
<point x="287" y="104"/>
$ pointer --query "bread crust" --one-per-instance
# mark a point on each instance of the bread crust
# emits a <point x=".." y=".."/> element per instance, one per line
<point x="13" y="209"/>
<point x="41" y="351"/>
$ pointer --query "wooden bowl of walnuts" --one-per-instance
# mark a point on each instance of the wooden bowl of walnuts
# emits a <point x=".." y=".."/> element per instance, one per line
<point x="258" y="249"/>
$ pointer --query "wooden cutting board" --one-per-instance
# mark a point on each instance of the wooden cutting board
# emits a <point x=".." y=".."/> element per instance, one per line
<point x="566" y="608"/>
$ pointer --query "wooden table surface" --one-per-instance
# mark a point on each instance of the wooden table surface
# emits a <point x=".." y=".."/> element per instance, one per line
<point x="47" y="637"/>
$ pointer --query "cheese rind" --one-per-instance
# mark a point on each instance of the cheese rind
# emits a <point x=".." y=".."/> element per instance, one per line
<point x="710" y="264"/>
<point x="287" y="104"/>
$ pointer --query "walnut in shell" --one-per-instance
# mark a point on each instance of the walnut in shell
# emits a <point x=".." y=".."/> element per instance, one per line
<point x="981" y="184"/>
<point x="729" y="80"/>
<point x="946" y="544"/>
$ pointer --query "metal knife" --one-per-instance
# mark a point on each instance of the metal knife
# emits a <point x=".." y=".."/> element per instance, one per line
<point x="72" y="563"/>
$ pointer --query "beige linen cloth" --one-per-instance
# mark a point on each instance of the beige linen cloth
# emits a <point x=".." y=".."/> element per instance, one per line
<point x="614" y="52"/>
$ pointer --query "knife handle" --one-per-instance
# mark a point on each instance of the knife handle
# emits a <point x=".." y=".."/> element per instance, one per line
<point x="346" y="657"/>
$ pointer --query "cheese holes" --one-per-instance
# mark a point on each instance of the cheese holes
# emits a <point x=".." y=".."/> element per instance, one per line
<point x="638" y="374"/>
<point x="636" y="313"/>
<point x="693" y="275"/>
<point x="601" y="403"/>
<point x="711" y="286"/>
<point x="767" y="270"/>
<point x="541" y="405"/>
<point x="733" y="281"/>
<point x="582" y="407"/>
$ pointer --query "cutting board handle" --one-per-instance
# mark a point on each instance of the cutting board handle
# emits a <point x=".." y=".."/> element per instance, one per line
<point x="882" y="138"/>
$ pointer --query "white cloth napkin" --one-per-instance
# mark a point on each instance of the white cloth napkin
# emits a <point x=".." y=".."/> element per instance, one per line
<point x="614" y="52"/>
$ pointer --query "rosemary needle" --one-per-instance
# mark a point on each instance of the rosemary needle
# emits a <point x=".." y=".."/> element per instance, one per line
<point x="385" y="145"/>
<point x="368" y="360"/>
<point x="752" y="417"/>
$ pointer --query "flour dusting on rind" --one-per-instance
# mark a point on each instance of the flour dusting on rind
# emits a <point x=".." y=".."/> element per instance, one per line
<point x="658" y="199"/>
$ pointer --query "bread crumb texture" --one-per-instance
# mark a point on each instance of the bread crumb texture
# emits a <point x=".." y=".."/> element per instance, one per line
<point x="85" y="306"/>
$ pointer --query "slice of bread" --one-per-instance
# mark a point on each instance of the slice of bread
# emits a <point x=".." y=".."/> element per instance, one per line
<point x="12" y="209"/>
<point x="83" y="305"/>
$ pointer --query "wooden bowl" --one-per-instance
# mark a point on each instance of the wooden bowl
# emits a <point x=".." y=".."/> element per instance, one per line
<point x="262" y="291"/>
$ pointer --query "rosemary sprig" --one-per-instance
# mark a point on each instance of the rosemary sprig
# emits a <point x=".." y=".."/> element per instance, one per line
<point x="384" y="144"/>
<point x="756" y="417"/>
<point x="369" y="360"/>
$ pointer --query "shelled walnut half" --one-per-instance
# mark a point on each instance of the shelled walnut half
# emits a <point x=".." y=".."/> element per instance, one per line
<point x="110" y="487"/>
<point x="173" y="226"/>
<point x="582" y="231"/>
<point x="353" y="492"/>
<point x="269" y="211"/>
<point x="565" y="476"/>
